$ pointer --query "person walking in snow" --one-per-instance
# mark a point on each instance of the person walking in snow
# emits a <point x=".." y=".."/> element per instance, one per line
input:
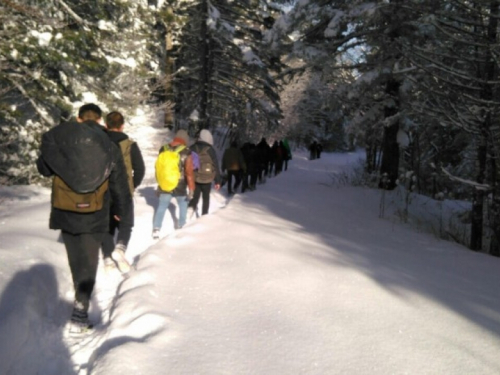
<point x="277" y="152"/>
<point x="250" y="177"/>
<point x="183" y="192"/>
<point x="135" y="167"/>
<point x="88" y="173"/>
<point x="288" y="153"/>
<point x="234" y="163"/>
<point x="264" y="159"/>
<point x="319" y="150"/>
<point x="207" y="174"/>
<point x="313" y="150"/>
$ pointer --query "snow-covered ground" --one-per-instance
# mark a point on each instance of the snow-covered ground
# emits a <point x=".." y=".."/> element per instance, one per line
<point x="297" y="277"/>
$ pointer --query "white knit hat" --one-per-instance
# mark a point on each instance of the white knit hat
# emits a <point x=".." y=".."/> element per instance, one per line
<point x="206" y="136"/>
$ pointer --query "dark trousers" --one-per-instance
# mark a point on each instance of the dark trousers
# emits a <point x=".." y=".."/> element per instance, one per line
<point x="202" y="190"/>
<point x="278" y="167"/>
<point x="237" y="180"/>
<point x="262" y="173"/>
<point x="271" y="167"/>
<point x="244" y="181"/>
<point x="124" y="229"/>
<point x="83" y="257"/>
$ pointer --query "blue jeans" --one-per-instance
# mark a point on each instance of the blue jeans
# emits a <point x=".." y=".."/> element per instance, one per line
<point x="163" y="204"/>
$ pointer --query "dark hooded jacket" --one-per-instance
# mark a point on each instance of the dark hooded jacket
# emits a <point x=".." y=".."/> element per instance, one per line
<point x="79" y="156"/>
<point x="135" y="155"/>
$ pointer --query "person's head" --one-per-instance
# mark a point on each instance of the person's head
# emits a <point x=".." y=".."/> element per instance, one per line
<point x="206" y="136"/>
<point x="89" y="112"/>
<point x="115" y="121"/>
<point x="181" y="137"/>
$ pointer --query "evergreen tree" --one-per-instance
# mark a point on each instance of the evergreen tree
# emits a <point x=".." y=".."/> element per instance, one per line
<point x="222" y="73"/>
<point x="53" y="54"/>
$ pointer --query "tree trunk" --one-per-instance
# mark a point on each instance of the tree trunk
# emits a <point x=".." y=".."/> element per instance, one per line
<point x="205" y="71"/>
<point x="491" y="74"/>
<point x="390" y="146"/>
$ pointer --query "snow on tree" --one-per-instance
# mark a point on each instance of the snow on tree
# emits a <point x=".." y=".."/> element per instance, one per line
<point x="222" y="69"/>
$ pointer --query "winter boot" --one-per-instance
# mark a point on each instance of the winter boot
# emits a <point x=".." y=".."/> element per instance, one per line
<point x="118" y="256"/>
<point x="109" y="265"/>
<point x="79" y="322"/>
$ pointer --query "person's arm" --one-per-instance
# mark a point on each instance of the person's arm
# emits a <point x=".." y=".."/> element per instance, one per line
<point x="118" y="185"/>
<point x="43" y="168"/>
<point x="225" y="160"/>
<point x="138" y="165"/>
<point x="243" y="165"/>
<point x="218" y="178"/>
<point x="189" y="174"/>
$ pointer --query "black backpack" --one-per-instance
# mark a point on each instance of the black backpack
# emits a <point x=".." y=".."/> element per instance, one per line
<point x="80" y="155"/>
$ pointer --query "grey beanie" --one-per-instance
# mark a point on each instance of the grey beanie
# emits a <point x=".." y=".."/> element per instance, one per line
<point x="182" y="134"/>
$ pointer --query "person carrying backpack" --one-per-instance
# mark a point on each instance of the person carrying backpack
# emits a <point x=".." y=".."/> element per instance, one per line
<point x="88" y="173"/>
<point x="288" y="153"/>
<point x="134" y="164"/>
<point x="234" y="163"/>
<point x="208" y="172"/>
<point x="175" y="176"/>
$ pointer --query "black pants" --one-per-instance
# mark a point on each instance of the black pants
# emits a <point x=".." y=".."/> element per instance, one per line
<point x="237" y="177"/>
<point x="83" y="257"/>
<point x="202" y="190"/>
<point x="124" y="228"/>
<point x="278" y="167"/>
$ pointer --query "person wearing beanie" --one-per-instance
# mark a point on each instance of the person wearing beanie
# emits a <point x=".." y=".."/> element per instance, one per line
<point x="206" y="136"/>
<point x="183" y="192"/>
<point x="207" y="174"/>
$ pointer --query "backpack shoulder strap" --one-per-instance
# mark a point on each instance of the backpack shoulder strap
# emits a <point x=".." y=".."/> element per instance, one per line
<point x="179" y="148"/>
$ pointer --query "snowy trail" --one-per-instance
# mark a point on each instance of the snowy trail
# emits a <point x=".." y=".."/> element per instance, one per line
<point x="297" y="277"/>
<point x="298" y="294"/>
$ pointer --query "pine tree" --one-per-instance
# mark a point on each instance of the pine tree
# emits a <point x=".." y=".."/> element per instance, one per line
<point x="54" y="52"/>
<point x="222" y="73"/>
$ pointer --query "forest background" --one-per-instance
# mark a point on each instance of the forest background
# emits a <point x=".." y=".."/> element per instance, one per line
<point x="413" y="82"/>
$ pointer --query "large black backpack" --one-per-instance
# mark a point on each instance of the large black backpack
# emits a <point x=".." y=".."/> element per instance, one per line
<point x="79" y="153"/>
<point x="81" y="157"/>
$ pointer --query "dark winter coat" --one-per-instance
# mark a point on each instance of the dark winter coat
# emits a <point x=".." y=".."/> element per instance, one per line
<point x="249" y="154"/>
<point x="233" y="160"/>
<point x="135" y="155"/>
<point x="263" y="152"/>
<point x="68" y="152"/>
<point x="278" y="152"/>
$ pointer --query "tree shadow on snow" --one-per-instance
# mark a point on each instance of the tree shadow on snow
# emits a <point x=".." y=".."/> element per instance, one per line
<point x="395" y="255"/>
<point x="32" y="320"/>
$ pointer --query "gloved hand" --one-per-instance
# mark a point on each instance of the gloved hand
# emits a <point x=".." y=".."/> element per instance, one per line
<point x="189" y="196"/>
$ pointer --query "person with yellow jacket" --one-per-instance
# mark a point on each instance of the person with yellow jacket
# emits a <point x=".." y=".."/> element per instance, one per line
<point x="184" y="190"/>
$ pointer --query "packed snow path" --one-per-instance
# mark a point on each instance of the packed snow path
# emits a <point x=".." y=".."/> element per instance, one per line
<point x="297" y="277"/>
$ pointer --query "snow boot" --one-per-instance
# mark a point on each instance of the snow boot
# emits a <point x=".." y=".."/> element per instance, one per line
<point x="118" y="256"/>
<point x="79" y="322"/>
